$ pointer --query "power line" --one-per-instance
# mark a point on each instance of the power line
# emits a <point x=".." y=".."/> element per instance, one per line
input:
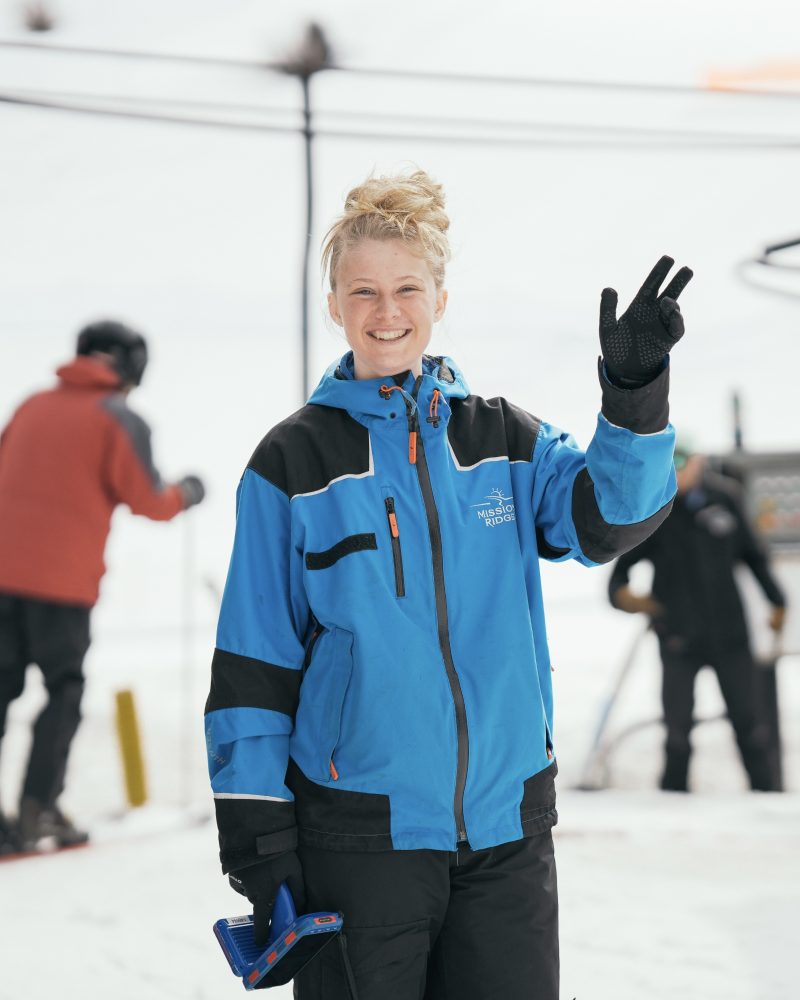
<point x="160" y="101"/>
<point x="54" y="105"/>
<point x="442" y="121"/>
<point x="173" y="57"/>
<point x="541" y="125"/>
<point x="578" y="143"/>
<point x="437" y="76"/>
<point x="433" y="76"/>
<point x="643" y="140"/>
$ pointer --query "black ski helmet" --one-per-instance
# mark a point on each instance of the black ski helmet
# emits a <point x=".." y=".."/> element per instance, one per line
<point x="127" y="347"/>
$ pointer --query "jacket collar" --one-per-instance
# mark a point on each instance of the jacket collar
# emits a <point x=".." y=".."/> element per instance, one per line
<point x="340" y="388"/>
<point x="90" y="373"/>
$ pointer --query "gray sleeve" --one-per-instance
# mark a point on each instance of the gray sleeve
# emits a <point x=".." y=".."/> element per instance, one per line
<point x="139" y="433"/>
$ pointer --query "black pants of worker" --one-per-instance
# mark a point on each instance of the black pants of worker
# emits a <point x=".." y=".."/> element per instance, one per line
<point x="55" y="637"/>
<point x="436" y="925"/>
<point x="735" y="672"/>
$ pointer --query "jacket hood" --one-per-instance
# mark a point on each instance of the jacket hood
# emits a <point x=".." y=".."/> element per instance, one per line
<point x="88" y="372"/>
<point x="340" y="388"/>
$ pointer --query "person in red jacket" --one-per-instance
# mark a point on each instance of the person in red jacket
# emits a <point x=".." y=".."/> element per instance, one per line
<point x="68" y="457"/>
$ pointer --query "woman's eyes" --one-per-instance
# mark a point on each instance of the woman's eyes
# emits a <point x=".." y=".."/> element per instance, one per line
<point x="365" y="292"/>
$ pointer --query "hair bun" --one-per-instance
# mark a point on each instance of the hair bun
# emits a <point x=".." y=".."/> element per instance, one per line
<point x="409" y="207"/>
<point x="407" y="200"/>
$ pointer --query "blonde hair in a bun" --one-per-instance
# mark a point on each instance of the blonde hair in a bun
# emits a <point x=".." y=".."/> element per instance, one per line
<point x="407" y="207"/>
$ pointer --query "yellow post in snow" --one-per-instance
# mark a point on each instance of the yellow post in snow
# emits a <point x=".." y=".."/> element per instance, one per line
<point x="130" y="746"/>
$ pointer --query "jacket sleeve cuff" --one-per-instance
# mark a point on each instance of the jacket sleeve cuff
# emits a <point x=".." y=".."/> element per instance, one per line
<point x="278" y="842"/>
<point x="644" y="410"/>
<point x="250" y="830"/>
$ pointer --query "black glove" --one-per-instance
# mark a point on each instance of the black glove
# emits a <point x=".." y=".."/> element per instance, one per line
<point x="192" y="489"/>
<point x="260" y="883"/>
<point x="635" y="345"/>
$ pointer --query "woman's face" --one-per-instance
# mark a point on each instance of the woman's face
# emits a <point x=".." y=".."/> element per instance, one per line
<point x="387" y="302"/>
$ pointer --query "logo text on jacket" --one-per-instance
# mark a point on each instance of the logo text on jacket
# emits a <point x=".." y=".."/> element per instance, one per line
<point x="496" y="509"/>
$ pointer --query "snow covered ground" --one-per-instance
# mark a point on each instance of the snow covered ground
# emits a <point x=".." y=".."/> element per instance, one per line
<point x="661" y="897"/>
<point x="194" y="234"/>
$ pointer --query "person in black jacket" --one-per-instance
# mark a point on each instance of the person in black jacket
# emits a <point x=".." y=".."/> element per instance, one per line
<point x="697" y="613"/>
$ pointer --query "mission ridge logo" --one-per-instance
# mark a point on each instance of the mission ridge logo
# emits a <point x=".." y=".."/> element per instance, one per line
<point x="496" y="509"/>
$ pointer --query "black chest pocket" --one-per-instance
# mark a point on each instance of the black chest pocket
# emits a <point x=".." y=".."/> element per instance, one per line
<point x="344" y="547"/>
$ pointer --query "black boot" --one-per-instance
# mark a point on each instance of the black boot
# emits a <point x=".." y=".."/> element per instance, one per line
<point x="676" y="771"/>
<point x="40" y="827"/>
<point x="756" y="760"/>
<point x="9" y="837"/>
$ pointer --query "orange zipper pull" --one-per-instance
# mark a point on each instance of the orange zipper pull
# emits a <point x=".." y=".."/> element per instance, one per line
<point x="433" y="417"/>
<point x="392" y="517"/>
<point x="412" y="447"/>
<point x="334" y="772"/>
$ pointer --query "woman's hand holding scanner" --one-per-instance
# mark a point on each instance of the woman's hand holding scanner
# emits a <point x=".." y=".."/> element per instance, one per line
<point x="626" y="600"/>
<point x="260" y="883"/>
<point x="635" y="345"/>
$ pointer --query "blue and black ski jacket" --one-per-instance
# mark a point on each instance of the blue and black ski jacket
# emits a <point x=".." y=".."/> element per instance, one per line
<point x="382" y="678"/>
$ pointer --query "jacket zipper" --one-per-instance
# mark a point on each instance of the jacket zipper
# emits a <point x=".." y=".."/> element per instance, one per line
<point x="434" y="531"/>
<point x="397" y="552"/>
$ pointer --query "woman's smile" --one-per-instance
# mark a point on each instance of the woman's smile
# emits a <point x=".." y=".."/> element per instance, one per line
<point x="388" y="335"/>
<point x="387" y="301"/>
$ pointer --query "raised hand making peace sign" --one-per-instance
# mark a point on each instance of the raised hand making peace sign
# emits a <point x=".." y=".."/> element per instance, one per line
<point x="635" y="345"/>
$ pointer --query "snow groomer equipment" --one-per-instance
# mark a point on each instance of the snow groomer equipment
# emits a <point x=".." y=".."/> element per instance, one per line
<point x="293" y="942"/>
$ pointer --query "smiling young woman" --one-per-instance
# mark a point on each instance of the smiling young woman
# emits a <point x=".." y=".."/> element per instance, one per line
<point x="380" y="738"/>
<point x="386" y="259"/>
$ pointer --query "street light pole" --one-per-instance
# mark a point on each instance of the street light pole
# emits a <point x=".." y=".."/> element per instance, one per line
<point x="312" y="55"/>
<point x="307" y="136"/>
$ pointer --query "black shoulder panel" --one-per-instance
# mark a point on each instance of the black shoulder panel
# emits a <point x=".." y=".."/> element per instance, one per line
<point x="137" y="430"/>
<point x="600" y="541"/>
<point x="491" y="428"/>
<point x="311" y="448"/>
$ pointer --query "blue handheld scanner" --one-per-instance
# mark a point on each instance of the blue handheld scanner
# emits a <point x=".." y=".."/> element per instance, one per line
<point x="293" y="942"/>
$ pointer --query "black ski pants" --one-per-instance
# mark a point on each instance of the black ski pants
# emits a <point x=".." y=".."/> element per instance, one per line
<point x="437" y="925"/>
<point x="735" y="672"/>
<point x="55" y="637"/>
